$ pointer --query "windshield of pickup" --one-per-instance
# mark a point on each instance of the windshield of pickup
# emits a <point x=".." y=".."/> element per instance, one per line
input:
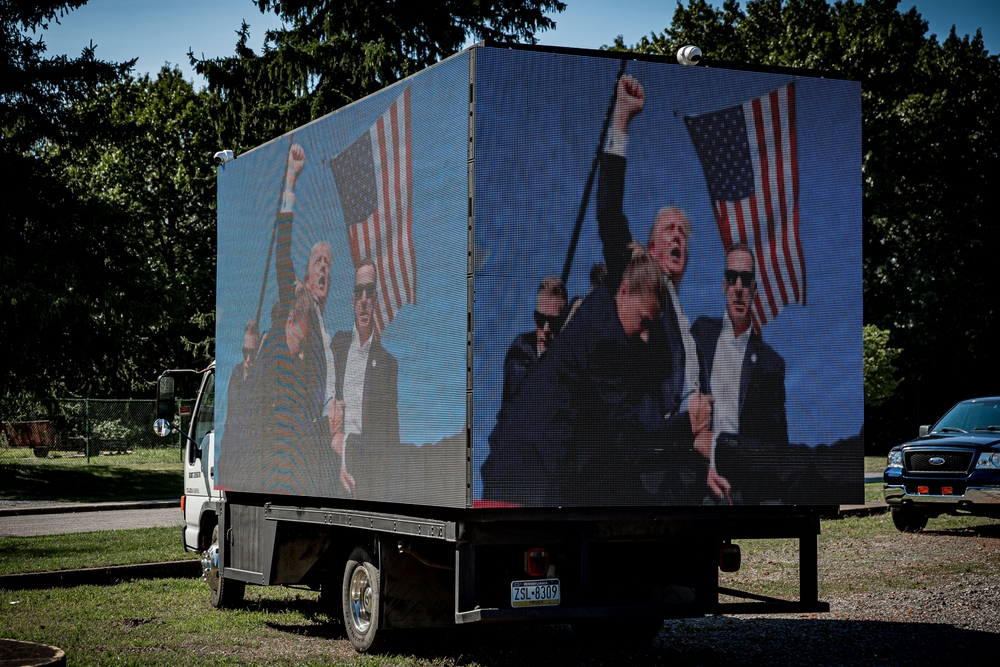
<point x="970" y="416"/>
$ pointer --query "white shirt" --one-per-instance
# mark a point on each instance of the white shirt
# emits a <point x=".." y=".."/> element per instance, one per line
<point x="331" y="370"/>
<point x="727" y="371"/>
<point x="691" y="374"/>
<point x="354" y="382"/>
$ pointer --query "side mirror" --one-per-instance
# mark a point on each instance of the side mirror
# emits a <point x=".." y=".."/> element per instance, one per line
<point x="925" y="429"/>
<point x="161" y="427"/>
<point x="165" y="399"/>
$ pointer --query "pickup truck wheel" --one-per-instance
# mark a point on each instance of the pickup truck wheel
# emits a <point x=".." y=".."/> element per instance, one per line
<point x="362" y="601"/>
<point x="41" y="452"/>
<point x="226" y="593"/>
<point x="907" y="520"/>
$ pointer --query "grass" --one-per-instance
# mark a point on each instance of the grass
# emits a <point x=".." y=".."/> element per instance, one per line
<point x="874" y="492"/>
<point x="51" y="480"/>
<point x="874" y="463"/>
<point x="142" y="456"/>
<point x="64" y="552"/>
<point x="868" y="554"/>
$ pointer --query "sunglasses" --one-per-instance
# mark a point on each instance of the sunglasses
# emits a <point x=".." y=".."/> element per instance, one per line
<point x="745" y="277"/>
<point x="365" y="289"/>
<point x="555" y="322"/>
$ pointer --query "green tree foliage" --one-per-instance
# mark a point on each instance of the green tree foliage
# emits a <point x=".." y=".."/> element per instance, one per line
<point x="931" y="113"/>
<point x="114" y="281"/>
<point x="332" y="52"/>
<point x="54" y="263"/>
<point x="880" y="380"/>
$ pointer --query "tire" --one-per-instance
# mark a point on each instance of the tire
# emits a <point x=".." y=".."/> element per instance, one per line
<point x="618" y="633"/>
<point x="907" y="520"/>
<point x="362" y="602"/>
<point x="226" y="593"/>
<point x="40" y="452"/>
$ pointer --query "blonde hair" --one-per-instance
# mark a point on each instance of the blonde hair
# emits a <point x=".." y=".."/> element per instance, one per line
<point x="642" y="273"/>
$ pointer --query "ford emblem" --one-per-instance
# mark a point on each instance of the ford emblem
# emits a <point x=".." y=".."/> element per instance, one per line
<point x="936" y="461"/>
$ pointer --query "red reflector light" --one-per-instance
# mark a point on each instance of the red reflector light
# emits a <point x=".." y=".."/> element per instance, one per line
<point x="536" y="561"/>
<point x="923" y="489"/>
<point x="183" y="498"/>
<point x="946" y="490"/>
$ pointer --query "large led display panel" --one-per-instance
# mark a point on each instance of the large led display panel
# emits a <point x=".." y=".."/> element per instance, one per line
<point x="668" y="299"/>
<point x="342" y="302"/>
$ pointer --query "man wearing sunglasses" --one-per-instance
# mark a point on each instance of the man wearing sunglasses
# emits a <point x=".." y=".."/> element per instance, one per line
<point x="367" y="428"/>
<point x="527" y="348"/>
<point x="747" y="380"/>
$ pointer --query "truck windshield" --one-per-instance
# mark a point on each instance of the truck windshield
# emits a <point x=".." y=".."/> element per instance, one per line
<point x="970" y="416"/>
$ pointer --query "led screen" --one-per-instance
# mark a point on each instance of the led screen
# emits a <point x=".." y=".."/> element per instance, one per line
<point x="668" y="299"/>
<point x="342" y="302"/>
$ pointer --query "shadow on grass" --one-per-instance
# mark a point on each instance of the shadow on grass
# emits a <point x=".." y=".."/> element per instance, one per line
<point x="92" y="483"/>
<point x="982" y="530"/>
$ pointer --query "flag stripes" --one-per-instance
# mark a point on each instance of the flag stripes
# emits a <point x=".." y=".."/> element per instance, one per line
<point x="749" y="156"/>
<point x="374" y="181"/>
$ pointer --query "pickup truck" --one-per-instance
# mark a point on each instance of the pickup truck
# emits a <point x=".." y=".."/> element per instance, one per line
<point x="950" y="468"/>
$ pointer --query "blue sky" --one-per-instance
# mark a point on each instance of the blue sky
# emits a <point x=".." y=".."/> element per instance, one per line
<point x="156" y="32"/>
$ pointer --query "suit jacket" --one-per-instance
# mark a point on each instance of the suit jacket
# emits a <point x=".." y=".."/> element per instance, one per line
<point x="749" y="458"/>
<point x="586" y="421"/>
<point x="521" y="356"/>
<point x="613" y="226"/>
<point x="379" y="435"/>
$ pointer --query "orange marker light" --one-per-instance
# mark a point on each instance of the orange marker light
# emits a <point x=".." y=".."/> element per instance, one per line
<point x="946" y="490"/>
<point x="923" y="489"/>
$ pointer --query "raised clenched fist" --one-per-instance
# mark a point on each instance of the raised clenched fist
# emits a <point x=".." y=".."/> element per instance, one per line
<point x="630" y="101"/>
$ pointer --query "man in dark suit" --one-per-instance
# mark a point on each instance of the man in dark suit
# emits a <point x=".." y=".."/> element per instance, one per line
<point x="587" y="411"/>
<point x="527" y="348"/>
<point x="686" y="409"/>
<point x="366" y="389"/>
<point x="747" y="379"/>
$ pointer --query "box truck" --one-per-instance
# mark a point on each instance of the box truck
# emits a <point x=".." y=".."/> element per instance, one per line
<point x="534" y="335"/>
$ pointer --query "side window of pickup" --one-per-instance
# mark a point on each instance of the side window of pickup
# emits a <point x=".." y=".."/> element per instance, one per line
<point x="205" y="419"/>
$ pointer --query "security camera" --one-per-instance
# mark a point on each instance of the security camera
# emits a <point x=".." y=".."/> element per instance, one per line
<point x="688" y="55"/>
<point x="222" y="157"/>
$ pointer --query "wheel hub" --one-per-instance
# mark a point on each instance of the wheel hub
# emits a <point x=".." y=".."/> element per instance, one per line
<point x="210" y="566"/>
<point x="362" y="598"/>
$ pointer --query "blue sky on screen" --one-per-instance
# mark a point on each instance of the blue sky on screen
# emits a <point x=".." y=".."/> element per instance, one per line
<point x="158" y="32"/>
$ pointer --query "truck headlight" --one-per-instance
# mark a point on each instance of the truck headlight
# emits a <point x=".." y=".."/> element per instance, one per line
<point x="989" y="460"/>
<point x="895" y="459"/>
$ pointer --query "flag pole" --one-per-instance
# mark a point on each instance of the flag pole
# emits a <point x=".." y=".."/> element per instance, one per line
<point x="590" y="179"/>
<point x="274" y="232"/>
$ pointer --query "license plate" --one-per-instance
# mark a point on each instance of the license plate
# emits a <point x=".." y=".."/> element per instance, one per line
<point x="534" y="592"/>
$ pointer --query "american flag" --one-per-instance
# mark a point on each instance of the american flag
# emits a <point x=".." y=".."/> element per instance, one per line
<point x="374" y="179"/>
<point x="748" y="154"/>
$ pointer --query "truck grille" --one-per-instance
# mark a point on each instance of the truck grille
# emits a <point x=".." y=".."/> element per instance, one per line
<point x="954" y="461"/>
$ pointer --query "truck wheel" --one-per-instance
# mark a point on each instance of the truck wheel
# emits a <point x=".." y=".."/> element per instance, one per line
<point x="226" y="593"/>
<point x="908" y="521"/>
<point x="41" y="452"/>
<point x="361" y="601"/>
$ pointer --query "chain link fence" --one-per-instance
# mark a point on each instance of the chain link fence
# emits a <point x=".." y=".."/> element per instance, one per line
<point x="78" y="431"/>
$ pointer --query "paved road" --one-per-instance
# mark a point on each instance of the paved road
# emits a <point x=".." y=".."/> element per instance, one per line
<point x="88" y="522"/>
